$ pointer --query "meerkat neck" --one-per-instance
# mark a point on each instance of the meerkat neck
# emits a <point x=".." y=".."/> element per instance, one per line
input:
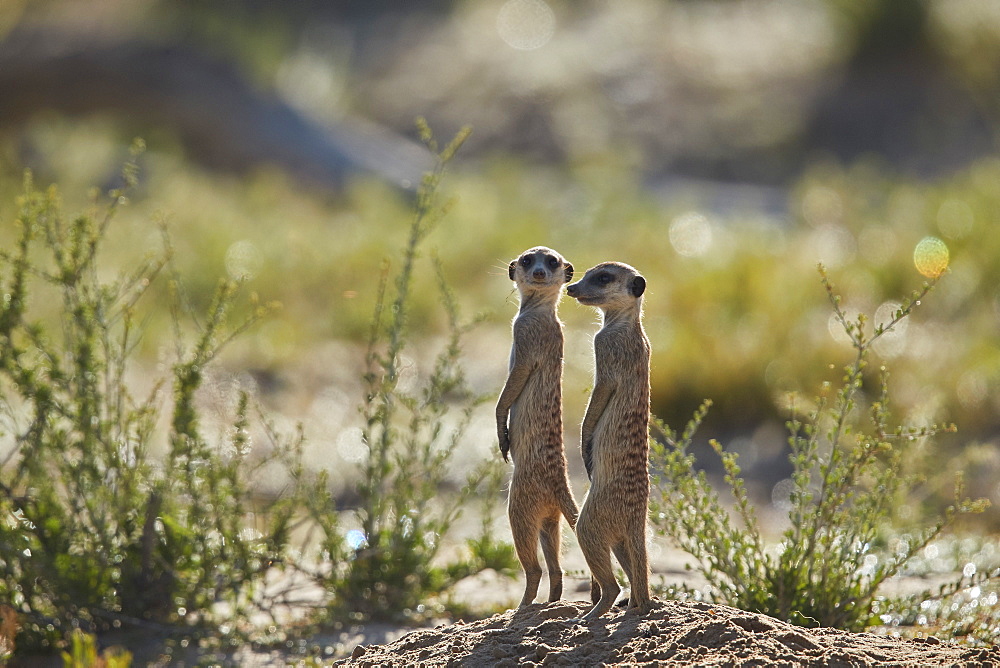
<point x="538" y="299"/>
<point x="620" y="316"/>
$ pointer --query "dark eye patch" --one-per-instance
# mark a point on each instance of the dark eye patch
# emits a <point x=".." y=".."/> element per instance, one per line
<point x="526" y="261"/>
<point x="552" y="261"/>
<point x="604" y="278"/>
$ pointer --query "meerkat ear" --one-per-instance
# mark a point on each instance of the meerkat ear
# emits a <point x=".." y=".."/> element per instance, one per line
<point x="638" y="286"/>
<point x="510" y="269"/>
<point x="569" y="272"/>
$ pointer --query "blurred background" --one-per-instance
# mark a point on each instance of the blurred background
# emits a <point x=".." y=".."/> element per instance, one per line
<point x="723" y="147"/>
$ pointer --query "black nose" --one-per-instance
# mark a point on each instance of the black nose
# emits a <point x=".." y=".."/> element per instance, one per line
<point x="571" y="290"/>
<point x="539" y="274"/>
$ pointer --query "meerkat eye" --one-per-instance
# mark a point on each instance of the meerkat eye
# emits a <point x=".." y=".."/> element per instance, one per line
<point x="553" y="262"/>
<point x="526" y="261"/>
<point x="604" y="278"/>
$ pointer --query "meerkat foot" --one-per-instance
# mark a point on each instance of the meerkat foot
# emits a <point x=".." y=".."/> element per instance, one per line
<point x="642" y="606"/>
<point x="608" y="595"/>
<point x="596" y="612"/>
<point x="555" y="588"/>
<point x="530" y="588"/>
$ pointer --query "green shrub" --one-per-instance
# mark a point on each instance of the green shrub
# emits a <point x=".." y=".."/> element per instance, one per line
<point x="83" y="654"/>
<point x="388" y="567"/>
<point x="96" y="531"/>
<point x="847" y="480"/>
<point x="964" y="608"/>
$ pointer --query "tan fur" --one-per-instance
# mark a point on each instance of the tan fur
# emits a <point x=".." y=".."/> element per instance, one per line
<point x="615" y="438"/>
<point x="529" y="420"/>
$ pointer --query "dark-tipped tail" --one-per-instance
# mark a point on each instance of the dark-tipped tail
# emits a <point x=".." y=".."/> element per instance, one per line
<point x="568" y="507"/>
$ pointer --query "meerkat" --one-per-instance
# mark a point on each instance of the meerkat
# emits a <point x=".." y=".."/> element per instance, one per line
<point x="615" y="438"/>
<point x="529" y="420"/>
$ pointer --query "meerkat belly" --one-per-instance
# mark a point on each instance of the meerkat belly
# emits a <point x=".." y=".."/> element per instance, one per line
<point x="620" y="451"/>
<point x="536" y="415"/>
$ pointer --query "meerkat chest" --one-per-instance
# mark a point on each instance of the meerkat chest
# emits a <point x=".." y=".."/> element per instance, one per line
<point x="537" y="351"/>
<point x="538" y="341"/>
<point x="622" y="363"/>
<point x="622" y="355"/>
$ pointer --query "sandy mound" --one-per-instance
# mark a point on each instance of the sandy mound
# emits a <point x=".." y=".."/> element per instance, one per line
<point x="673" y="634"/>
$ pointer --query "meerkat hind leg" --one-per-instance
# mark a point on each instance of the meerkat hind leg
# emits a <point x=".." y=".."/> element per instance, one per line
<point x="550" y="538"/>
<point x="626" y="562"/>
<point x="525" y="533"/>
<point x="609" y="591"/>
<point x="599" y="559"/>
<point x="638" y="579"/>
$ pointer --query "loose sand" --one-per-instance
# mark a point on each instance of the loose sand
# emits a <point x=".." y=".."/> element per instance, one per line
<point x="673" y="634"/>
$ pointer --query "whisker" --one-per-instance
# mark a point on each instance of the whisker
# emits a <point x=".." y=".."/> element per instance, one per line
<point x="500" y="269"/>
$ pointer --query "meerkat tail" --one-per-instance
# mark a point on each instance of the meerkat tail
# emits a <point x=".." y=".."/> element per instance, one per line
<point x="568" y="507"/>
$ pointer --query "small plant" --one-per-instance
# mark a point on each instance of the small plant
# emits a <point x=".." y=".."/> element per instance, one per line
<point x="846" y="482"/>
<point x="387" y="568"/>
<point x="964" y="608"/>
<point x="95" y="531"/>
<point x="83" y="654"/>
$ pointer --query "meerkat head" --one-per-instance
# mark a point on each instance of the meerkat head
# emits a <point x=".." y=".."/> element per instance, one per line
<point x="540" y="270"/>
<point x="610" y="286"/>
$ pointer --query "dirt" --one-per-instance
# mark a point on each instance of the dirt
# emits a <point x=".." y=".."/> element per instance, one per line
<point x="672" y="634"/>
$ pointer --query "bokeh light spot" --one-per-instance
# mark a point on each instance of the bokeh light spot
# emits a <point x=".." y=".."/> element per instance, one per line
<point x="836" y="328"/>
<point x="243" y="260"/>
<point x="691" y="234"/>
<point x="351" y="445"/>
<point x="931" y="257"/>
<point x="886" y="313"/>
<point x="526" y="24"/>
<point x="833" y="245"/>
<point x="781" y="494"/>
<point x="893" y="341"/>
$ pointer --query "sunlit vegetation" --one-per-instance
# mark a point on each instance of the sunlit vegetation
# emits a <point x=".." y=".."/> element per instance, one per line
<point x="728" y="312"/>
<point x="861" y="226"/>
<point x="119" y="511"/>
<point x="963" y="607"/>
<point x="387" y="568"/>
<point x="99" y="530"/>
<point x="850" y="469"/>
<point x="677" y="136"/>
